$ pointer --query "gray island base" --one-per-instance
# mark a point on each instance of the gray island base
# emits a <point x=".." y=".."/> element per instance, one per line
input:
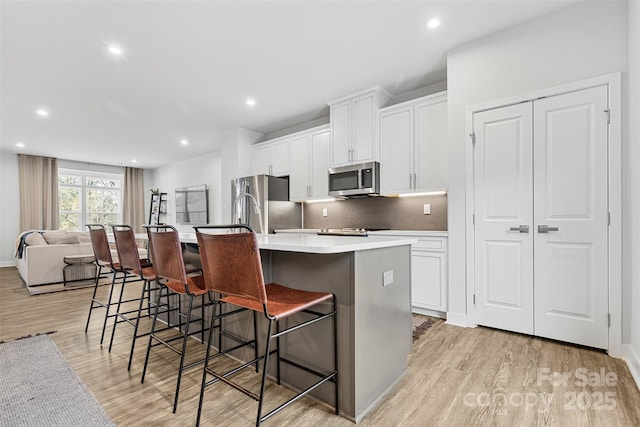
<point x="374" y="320"/>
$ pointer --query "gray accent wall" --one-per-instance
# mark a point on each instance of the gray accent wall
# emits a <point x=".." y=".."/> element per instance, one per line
<point x="396" y="213"/>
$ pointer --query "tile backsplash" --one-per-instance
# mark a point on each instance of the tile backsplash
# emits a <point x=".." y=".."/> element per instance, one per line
<point x="396" y="213"/>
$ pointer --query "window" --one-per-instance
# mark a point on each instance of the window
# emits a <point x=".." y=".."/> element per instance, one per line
<point x="87" y="197"/>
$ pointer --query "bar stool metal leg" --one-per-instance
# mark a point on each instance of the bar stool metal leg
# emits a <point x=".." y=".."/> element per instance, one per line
<point x="153" y="330"/>
<point x="184" y="351"/>
<point x="93" y="299"/>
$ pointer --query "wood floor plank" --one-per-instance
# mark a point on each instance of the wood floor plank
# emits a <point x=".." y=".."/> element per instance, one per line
<point x="456" y="376"/>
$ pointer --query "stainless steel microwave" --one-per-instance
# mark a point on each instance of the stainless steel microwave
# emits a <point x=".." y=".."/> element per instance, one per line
<point x="355" y="180"/>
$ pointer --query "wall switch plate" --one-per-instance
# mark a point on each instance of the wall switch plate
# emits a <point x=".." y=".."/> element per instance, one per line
<point x="427" y="209"/>
<point x="387" y="278"/>
<point x="325" y="212"/>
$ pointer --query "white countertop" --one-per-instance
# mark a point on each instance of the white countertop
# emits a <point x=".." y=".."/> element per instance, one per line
<point x="312" y="243"/>
<point x="412" y="233"/>
<point x="408" y="233"/>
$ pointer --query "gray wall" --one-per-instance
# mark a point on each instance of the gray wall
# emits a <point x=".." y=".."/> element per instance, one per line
<point x="201" y="170"/>
<point x="631" y="199"/>
<point x="556" y="49"/>
<point x="397" y="213"/>
<point x="9" y="207"/>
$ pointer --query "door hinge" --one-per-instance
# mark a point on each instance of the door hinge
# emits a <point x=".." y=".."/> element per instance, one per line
<point x="609" y="319"/>
<point x="474" y="299"/>
<point x="608" y="218"/>
<point x="473" y="138"/>
<point x="473" y="218"/>
<point x="608" y="116"/>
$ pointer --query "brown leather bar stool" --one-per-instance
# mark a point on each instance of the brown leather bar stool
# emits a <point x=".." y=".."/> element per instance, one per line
<point x="169" y="267"/>
<point x="232" y="268"/>
<point x="132" y="265"/>
<point x="102" y="252"/>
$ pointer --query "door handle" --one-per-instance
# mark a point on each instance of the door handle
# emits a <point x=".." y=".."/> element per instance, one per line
<point x="520" y="228"/>
<point x="545" y="228"/>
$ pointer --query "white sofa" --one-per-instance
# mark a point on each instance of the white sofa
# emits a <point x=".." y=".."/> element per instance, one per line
<point x="42" y="262"/>
<point x="42" y="257"/>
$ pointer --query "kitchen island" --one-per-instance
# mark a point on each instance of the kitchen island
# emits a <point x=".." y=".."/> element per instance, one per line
<point x="374" y="315"/>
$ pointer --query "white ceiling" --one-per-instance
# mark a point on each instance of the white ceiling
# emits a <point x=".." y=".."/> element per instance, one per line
<point x="189" y="66"/>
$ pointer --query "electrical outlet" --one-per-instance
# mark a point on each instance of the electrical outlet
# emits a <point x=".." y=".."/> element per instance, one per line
<point x="387" y="278"/>
<point x="427" y="209"/>
<point x="325" y="212"/>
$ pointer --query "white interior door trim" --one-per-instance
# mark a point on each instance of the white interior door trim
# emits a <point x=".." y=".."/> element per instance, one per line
<point x="614" y="84"/>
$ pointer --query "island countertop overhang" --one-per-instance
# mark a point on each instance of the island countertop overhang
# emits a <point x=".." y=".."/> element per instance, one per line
<point x="306" y="243"/>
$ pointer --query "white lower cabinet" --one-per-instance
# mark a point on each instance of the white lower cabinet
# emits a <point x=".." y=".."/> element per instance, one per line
<point x="428" y="273"/>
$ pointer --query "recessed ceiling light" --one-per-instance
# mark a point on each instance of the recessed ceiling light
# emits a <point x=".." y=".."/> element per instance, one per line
<point x="19" y="145"/>
<point x="42" y="112"/>
<point x="433" y="23"/>
<point x="251" y="102"/>
<point x="134" y="161"/>
<point x="115" y="50"/>
<point x="184" y="142"/>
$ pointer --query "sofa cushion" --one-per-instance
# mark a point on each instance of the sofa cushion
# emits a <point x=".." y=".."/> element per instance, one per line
<point x="60" y="237"/>
<point x="83" y="236"/>
<point x="35" y="239"/>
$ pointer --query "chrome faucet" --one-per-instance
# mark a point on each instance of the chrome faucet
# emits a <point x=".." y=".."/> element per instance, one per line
<point x="256" y="208"/>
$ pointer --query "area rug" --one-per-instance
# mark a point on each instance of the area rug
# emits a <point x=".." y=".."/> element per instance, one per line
<point x="39" y="388"/>
<point x="420" y="324"/>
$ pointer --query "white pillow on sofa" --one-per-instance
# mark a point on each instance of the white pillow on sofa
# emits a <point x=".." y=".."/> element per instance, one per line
<point x="83" y="236"/>
<point x="60" y="237"/>
<point x="35" y="239"/>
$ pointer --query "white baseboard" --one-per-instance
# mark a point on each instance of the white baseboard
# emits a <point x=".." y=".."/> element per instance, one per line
<point x="7" y="264"/>
<point x="633" y="362"/>
<point x="457" y="319"/>
<point x="428" y="312"/>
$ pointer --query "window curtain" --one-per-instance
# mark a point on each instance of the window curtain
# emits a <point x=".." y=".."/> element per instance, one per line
<point x="38" y="192"/>
<point x="133" y="199"/>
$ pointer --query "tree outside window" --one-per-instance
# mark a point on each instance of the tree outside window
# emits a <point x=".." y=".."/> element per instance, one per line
<point x="88" y="198"/>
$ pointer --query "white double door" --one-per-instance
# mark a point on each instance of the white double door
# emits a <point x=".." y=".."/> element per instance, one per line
<point x="541" y="217"/>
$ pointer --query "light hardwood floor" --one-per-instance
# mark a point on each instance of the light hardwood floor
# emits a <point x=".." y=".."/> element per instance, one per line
<point x="456" y="376"/>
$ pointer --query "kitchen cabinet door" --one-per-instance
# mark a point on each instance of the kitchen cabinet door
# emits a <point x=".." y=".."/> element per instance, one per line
<point x="396" y="149"/>
<point x="354" y="127"/>
<point x="280" y="158"/>
<point x="428" y="280"/>
<point x="431" y="145"/>
<point x="341" y="134"/>
<point x="262" y="159"/>
<point x="299" y="168"/>
<point x="319" y="164"/>
<point x="364" y="126"/>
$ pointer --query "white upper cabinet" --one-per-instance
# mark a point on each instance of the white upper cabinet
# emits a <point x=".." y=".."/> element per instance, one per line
<point x="413" y="146"/>
<point x="319" y="163"/>
<point x="354" y="127"/>
<point x="308" y="178"/>
<point x="431" y="147"/>
<point x="298" y="173"/>
<point x="396" y="149"/>
<point x="271" y="157"/>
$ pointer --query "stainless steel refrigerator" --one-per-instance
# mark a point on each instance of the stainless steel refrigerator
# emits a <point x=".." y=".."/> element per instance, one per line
<point x="262" y="201"/>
